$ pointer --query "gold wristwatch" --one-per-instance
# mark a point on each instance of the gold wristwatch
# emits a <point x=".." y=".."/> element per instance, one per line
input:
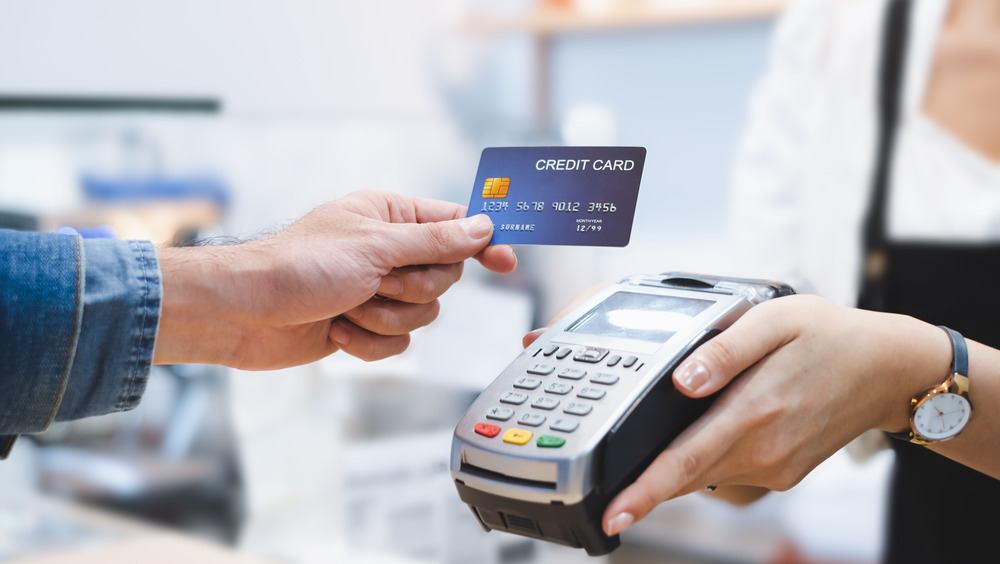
<point x="943" y="411"/>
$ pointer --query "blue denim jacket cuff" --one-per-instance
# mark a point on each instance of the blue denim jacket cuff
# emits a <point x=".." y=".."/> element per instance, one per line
<point x="121" y="313"/>
<point x="41" y="312"/>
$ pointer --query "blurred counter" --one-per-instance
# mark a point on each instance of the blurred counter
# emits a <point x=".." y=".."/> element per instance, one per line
<point x="42" y="530"/>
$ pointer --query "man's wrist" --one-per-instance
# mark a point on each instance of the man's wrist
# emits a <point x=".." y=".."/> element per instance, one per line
<point x="199" y="322"/>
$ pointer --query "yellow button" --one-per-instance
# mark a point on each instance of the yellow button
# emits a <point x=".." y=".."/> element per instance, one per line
<point x="517" y="436"/>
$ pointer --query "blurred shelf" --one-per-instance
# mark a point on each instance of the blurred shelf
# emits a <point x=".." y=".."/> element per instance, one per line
<point x="163" y="222"/>
<point x="552" y="19"/>
<point x="36" y="102"/>
<point x="622" y="16"/>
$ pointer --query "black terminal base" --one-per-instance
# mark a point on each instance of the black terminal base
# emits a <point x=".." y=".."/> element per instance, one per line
<point x="576" y="525"/>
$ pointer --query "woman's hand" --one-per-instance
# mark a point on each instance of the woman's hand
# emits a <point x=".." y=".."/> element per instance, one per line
<point x="803" y="377"/>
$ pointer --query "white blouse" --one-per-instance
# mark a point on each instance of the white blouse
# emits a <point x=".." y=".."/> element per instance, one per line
<point x="942" y="189"/>
<point x="803" y="176"/>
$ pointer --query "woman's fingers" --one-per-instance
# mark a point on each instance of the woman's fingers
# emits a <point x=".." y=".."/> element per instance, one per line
<point x="714" y="364"/>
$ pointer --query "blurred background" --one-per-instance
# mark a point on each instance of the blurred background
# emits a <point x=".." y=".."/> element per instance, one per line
<point x="187" y="119"/>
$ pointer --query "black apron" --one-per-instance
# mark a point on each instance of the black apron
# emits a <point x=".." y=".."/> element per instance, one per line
<point x="939" y="511"/>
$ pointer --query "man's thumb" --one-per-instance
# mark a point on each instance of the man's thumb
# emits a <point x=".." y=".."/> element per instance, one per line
<point x="442" y="242"/>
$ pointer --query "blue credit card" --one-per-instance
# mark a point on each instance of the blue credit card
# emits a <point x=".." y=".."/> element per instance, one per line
<point x="559" y="195"/>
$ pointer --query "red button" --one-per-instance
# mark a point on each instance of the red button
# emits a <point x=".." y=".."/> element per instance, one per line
<point x="487" y="430"/>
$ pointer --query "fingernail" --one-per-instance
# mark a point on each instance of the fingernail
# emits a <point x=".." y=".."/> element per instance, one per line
<point x="618" y="523"/>
<point x="691" y="375"/>
<point x="340" y="334"/>
<point x="478" y="226"/>
<point x="390" y="286"/>
<point x="531" y="337"/>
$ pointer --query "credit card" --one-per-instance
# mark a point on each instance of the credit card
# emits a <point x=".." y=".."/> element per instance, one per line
<point x="559" y="195"/>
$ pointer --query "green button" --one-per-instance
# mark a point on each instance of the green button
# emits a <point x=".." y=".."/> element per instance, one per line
<point x="548" y="441"/>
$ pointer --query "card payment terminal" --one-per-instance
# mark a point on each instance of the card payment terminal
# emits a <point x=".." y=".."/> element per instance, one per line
<point x="586" y="408"/>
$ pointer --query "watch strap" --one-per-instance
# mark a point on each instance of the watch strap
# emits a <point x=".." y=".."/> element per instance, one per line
<point x="959" y="352"/>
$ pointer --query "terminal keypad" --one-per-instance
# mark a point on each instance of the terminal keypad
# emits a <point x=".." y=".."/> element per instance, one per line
<point x="585" y="374"/>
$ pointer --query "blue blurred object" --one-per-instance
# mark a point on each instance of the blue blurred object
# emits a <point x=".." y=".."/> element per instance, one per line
<point x="205" y="187"/>
<point x="100" y="232"/>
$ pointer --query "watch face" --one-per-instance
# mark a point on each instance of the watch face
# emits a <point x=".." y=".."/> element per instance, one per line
<point x="941" y="416"/>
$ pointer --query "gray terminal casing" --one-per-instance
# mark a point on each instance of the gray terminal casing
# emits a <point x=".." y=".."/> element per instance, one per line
<point x="559" y="493"/>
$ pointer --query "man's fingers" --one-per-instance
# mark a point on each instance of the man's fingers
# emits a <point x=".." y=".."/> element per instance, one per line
<point x="429" y="210"/>
<point x="498" y="258"/>
<point x="420" y="284"/>
<point x="393" y="317"/>
<point x="714" y="364"/>
<point x="443" y="242"/>
<point x="401" y="210"/>
<point x="366" y="345"/>
<point x="393" y="207"/>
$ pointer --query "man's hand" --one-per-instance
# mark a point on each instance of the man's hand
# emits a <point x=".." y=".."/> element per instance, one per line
<point x="356" y="274"/>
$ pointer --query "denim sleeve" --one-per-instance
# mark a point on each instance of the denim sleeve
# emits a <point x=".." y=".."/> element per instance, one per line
<point x="78" y="321"/>
<point x="121" y="313"/>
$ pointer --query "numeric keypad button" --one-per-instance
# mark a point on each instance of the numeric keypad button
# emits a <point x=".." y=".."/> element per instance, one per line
<point x="526" y="383"/>
<point x="564" y="425"/>
<point x="559" y="388"/>
<point x="604" y="378"/>
<point x="578" y="408"/>
<point x="531" y="419"/>
<point x="515" y="398"/>
<point x="545" y="403"/>
<point x="591" y="393"/>
<point x="499" y="413"/>
<point x="572" y="373"/>
<point x="540" y="369"/>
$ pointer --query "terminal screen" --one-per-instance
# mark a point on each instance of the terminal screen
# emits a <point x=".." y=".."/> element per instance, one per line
<point x="641" y="317"/>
